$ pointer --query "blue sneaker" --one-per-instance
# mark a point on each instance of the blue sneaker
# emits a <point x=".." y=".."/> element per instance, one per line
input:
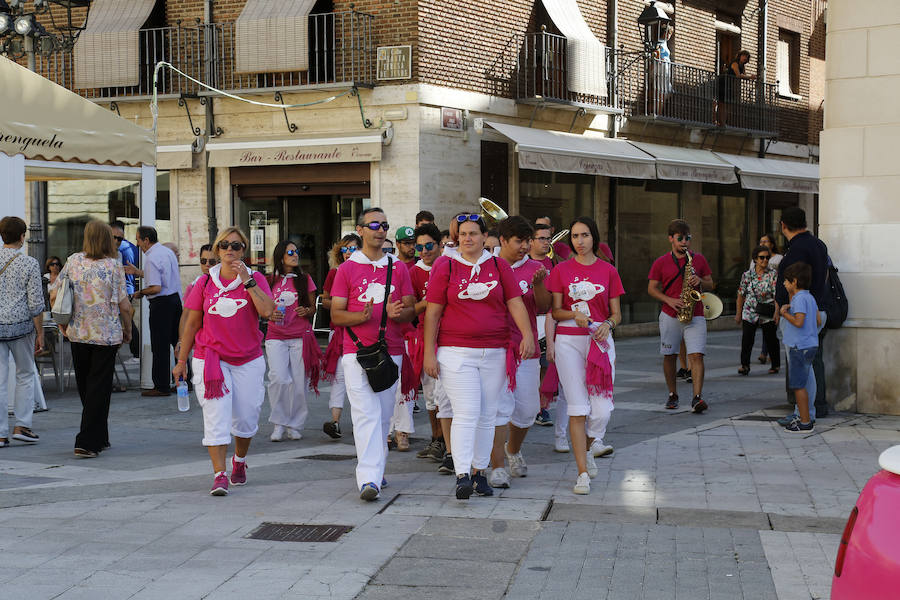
<point x="481" y="485"/>
<point x="787" y="419"/>
<point x="383" y="483"/>
<point x="463" y="487"/>
<point x="368" y="492"/>
<point x="797" y="427"/>
<point x="543" y="418"/>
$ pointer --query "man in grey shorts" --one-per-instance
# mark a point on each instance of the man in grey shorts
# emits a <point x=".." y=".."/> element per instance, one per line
<point x="666" y="277"/>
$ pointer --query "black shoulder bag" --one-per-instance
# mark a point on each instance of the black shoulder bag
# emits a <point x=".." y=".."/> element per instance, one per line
<point x="376" y="361"/>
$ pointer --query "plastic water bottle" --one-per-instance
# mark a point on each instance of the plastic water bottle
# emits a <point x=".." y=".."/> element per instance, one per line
<point x="184" y="400"/>
<point x="281" y="306"/>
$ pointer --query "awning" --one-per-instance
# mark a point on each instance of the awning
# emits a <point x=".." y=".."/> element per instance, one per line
<point x="570" y="153"/>
<point x="775" y="175"/>
<point x="688" y="164"/>
<point x="174" y="156"/>
<point x="353" y="147"/>
<point x="585" y="54"/>
<point x="108" y="51"/>
<point x="273" y="36"/>
<point x="42" y="120"/>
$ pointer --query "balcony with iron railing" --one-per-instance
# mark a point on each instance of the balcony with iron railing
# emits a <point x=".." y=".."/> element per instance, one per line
<point x="342" y="53"/>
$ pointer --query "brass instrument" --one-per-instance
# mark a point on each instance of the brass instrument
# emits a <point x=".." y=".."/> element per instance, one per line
<point x="555" y="239"/>
<point x="688" y="294"/>
<point x="491" y="213"/>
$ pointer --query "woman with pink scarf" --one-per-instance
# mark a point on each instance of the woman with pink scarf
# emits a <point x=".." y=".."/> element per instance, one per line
<point x="229" y="368"/>
<point x="586" y="292"/>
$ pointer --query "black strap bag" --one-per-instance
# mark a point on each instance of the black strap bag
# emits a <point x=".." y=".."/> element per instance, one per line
<point x="766" y="309"/>
<point x="376" y="361"/>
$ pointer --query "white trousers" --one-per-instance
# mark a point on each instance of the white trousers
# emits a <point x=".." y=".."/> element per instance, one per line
<point x="17" y="379"/>
<point x="371" y="414"/>
<point x="561" y="422"/>
<point x="520" y="406"/>
<point x="287" y="383"/>
<point x="436" y="397"/>
<point x="473" y="379"/>
<point x="402" y="419"/>
<point x="571" y="362"/>
<point x="338" y="388"/>
<point x="237" y="412"/>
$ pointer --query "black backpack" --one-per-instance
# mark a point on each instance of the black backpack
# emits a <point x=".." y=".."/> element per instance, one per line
<point x="835" y="300"/>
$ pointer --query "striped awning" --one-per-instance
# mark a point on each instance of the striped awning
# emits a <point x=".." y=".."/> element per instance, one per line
<point x="585" y="54"/>
<point x="107" y="53"/>
<point x="273" y="36"/>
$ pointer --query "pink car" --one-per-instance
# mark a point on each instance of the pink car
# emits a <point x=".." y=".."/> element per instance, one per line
<point x="868" y="560"/>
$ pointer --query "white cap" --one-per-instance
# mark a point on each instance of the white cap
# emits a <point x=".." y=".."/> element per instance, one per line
<point x="890" y="460"/>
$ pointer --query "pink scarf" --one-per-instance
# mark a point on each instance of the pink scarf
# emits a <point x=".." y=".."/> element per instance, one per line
<point x="549" y="386"/>
<point x="213" y="378"/>
<point x="512" y="364"/>
<point x="312" y="360"/>
<point x="333" y="354"/>
<point x="599" y="370"/>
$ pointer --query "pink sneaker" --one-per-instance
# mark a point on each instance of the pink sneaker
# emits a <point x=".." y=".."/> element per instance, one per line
<point x="238" y="472"/>
<point x="220" y="486"/>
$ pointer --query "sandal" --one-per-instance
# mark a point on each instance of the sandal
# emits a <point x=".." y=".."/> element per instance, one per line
<point x="763" y="359"/>
<point x="773" y="371"/>
<point x="744" y="371"/>
<point x="4" y="442"/>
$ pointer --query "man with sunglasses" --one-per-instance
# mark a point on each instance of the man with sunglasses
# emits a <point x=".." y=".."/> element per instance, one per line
<point x="358" y="298"/>
<point x="665" y="285"/>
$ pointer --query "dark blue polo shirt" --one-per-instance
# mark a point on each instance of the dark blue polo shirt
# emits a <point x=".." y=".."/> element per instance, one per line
<point x="807" y="248"/>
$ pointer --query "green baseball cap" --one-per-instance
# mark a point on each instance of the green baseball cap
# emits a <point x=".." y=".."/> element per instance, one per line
<point x="405" y="233"/>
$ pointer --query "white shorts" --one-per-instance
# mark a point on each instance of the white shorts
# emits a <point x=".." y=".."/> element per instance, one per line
<point x="237" y="412"/>
<point x="672" y="331"/>
<point x="519" y="407"/>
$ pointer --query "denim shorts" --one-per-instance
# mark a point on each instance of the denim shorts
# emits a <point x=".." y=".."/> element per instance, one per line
<point x="799" y="364"/>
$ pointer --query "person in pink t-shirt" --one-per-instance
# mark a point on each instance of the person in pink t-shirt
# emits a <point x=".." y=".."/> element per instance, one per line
<point x="470" y="295"/>
<point x="586" y="291"/>
<point x="359" y="297"/>
<point x="291" y="348"/>
<point x="517" y="407"/>
<point x="229" y="369"/>
<point x="665" y="285"/>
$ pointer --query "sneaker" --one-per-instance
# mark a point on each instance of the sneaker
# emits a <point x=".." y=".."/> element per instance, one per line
<point x="426" y="451"/>
<point x="672" y="402"/>
<point x="294" y="434"/>
<point x="84" y="453"/>
<point x="4" y="443"/>
<point x="591" y="465"/>
<point x="543" y="418"/>
<point x="562" y="445"/>
<point x="238" y="472"/>
<point x="391" y="443"/>
<point x="499" y="478"/>
<point x="698" y="405"/>
<point x="384" y="483"/>
<point x="464" y="487"/>
<point x="24" y="434"/>
<point x="416" y="409"/>
<point x="438" y="451"/>
<point x="787" y="419"/>
<point x="332" y="429"/>
<point x="402" y="441"/>
<point x="796" y="426"/>
<point x="480" y="484"/>
<point x="689" y="379"/>
<point x="517" y="466"/>
<point x="277" y="433"/>
<point x="582" y="485"/>
<point x="220" y="485"/>
<point x="447" y="467"/>
<point x="368" y="492"/>
<point x="598" y="449"/>
<point x="682" y="373"/>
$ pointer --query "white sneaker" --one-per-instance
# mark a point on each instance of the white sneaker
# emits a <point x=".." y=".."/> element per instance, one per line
<point x="294" y="434"/>
<point x="277" y="434"/>
<point x="517" y="466"/>
<point x="562" y="445"/>
<point x="591" y="465"/>
<point x="598" y="449"/>
<point x="499" y="478"/>
<point x="582" y="484"/>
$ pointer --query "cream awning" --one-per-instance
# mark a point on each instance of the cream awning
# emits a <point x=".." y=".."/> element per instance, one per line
<point x="336" y="148"/>
<point x="273" y="36"/>
<point x="544" y="150"/>
<point x="585" y="54"/>
<point x="108" y="51"/>
<point x="688" y="164"/>
<point x="775" y="175"/>
<point x="42" y="120"/>
<point x="174" y="156"/>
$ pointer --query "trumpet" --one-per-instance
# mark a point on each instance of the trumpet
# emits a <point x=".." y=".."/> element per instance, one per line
<point x="555" y="239"/>
<point x="491" y="213"/>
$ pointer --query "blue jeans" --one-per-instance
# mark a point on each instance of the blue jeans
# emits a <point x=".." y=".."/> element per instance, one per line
<point x="801" y="375"/>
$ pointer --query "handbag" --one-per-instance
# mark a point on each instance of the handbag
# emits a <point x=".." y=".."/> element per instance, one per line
<point x="766" y="310"/>
<point x="64" y="303"/>
<point x="376" y="361"/>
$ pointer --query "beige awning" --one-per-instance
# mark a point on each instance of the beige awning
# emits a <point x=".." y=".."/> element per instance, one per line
<point x="174" y="156"/>
<point x="351" y="147"/>
<point x="675" y="163"/>
<point x="585" y="54"/>
<point x="42" y="120"/>
<point x="107" y="53"/>
<point x="775" y="175"/>
<point x="273" y="36"/>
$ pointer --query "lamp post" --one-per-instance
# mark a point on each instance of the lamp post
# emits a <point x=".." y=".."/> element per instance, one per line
<point x="653" y="24"/>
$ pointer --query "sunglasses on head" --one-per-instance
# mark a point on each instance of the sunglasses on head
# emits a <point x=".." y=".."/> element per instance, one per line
<point x="292" y="252"/>
<point x="387" y="250"/>
<point x="348" y="249"/>
<point x="118" y="238"/>
<point x="375" y="225"/>
<point x="467" y="217"/>
<point x="225" y="244"/>
<point x="429" y="246"/>
<point x="209" y="261"/>
<point x="683" y="238"/>
<point x="763" y="256"/>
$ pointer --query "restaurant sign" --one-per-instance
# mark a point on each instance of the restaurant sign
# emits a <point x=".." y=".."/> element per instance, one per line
<point x="250" y="154"/>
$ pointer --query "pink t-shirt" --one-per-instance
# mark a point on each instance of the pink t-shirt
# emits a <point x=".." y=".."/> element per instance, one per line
<point x="329" y="281"/>
<point x="665" y="268"/>
<point x="230" y="321"/>
<point x="562" y="250"/>
<point x="586" y="289"/>
<point x="359" y="280"/>
<point x="524" y="275"/>
<point x="419" y="277"/>
<point x="475" y="312"/>
<point x="293" y="327"/>
<point x="547" y="262"/>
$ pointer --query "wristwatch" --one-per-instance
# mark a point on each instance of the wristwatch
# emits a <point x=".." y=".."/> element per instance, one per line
<point x="249" y="283"/>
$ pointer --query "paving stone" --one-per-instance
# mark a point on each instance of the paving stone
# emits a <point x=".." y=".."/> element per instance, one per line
<point x="445" y="573"/>
<point x="616" y="514"/>
<point x="433" y="546"/>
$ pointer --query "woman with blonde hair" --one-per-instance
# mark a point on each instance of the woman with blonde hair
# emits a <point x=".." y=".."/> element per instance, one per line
<point x="229" y="368"/>
<point x="101" y="321"/>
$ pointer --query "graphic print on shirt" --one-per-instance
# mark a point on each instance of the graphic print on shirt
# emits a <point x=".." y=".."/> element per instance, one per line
<point x="584" y="290"/>
<point x="523" y="285"/>
<point x="287" y="297"/>
<point x="226" y="307"/>
<point x="372" y="290"/>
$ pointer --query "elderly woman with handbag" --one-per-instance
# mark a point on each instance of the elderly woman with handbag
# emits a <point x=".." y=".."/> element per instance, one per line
<point x="756" y="308"/>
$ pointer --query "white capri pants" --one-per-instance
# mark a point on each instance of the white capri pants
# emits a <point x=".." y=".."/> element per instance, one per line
<point x="371" y="414"/>
<point x="672" y="331"/>
<point x="435" y="397"/>
<point x="287" y="383"/>
<point x="402" y="419"/>
<point x="237" y="412"/>
<point x="338" y="389"/>
<point x="520" y="406"/>
<point x="571" y="362"/>
<point x="473" y="379"/>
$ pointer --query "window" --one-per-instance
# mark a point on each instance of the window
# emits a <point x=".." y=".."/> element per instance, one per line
<point x="788" y="63"/>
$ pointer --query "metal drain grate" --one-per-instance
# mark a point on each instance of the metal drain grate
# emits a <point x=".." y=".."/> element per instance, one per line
<point x="766" y="418"/>
<point x="287" y="532"/>
<point x="327" y="457"/>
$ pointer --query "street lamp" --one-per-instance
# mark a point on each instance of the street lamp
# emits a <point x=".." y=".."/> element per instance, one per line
<point x="18" y="25"/>
<point x="654" y="26"/>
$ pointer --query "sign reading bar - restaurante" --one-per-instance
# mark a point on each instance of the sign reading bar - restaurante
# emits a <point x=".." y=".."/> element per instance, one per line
<point x="230" y="156"/>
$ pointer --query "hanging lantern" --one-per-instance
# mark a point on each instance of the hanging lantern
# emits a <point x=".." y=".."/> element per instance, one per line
<point x="654" y="26"/>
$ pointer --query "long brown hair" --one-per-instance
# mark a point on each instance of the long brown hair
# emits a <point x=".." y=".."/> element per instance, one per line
<point x="301" y="281"/>
<point x="98" y="241"/>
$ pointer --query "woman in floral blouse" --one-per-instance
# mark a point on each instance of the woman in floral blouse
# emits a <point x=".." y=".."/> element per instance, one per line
<point x="756" y="308"/>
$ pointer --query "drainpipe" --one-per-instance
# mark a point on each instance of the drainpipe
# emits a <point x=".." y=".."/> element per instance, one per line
<point x="612" y="36"/>
<point x="208" y="48"/>
<point x="763" y="60"/>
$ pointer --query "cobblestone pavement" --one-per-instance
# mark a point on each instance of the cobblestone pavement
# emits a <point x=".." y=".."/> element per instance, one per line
<point x="720" y="505"/>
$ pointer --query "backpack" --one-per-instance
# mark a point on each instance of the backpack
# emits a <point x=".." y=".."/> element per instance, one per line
<point x="835" y="301"/>
<point x="65" y="301"/>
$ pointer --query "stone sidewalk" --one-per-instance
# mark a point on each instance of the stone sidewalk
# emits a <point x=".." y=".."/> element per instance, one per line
<point x="721" y="505"/>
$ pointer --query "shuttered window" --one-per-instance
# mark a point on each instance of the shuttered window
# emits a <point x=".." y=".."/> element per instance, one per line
<point x="787" y="63"/>
<point x="272" y="36"/>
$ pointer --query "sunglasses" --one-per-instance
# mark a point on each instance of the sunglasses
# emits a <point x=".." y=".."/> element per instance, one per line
<point x="387" y="250"/>
<point x="55" y="264"/>
<point x="763" y="257"/>
<point x="429" y="246"/>
<point x="292" y="252"/>
<point x="118" y="238"/>
<point x="224" y="245"/>
<point x="682" y="238"/>
<point x="375" y="225"/>
<point x="348" y="249"/>
<point x="467" y="217"/>
<point x="209" y="261"/>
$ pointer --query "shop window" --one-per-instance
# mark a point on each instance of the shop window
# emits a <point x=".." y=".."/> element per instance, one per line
<point x="495" y="172"/>
<point x="724" y="238"/>
<point x="787" y="63"/>
<point x="560" y="196"/>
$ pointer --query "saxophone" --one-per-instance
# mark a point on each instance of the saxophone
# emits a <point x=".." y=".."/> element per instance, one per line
<point x="688" y="294"/>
